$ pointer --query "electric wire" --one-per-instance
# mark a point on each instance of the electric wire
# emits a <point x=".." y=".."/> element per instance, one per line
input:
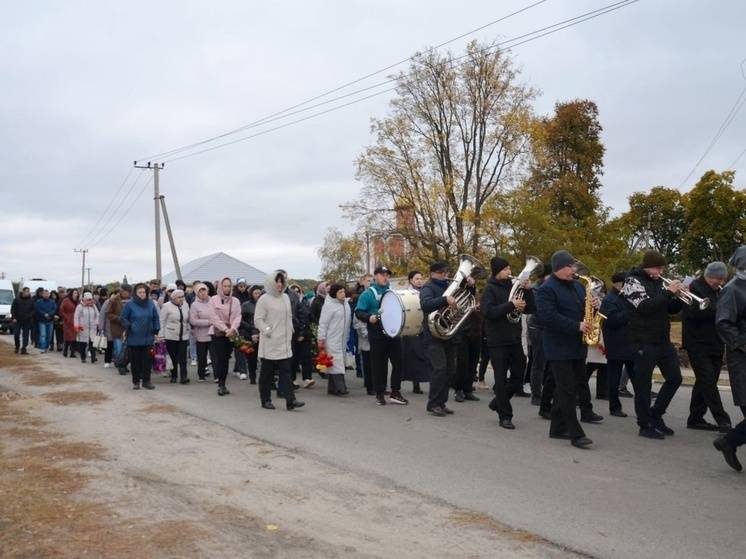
<point x="127" y="211"/>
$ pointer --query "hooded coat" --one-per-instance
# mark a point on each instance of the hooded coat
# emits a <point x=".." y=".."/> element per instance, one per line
<point x="86" y="321"/>
<point x="334" y="331"/>
<point x="273" y="317"/>
<point x="67" y="313"/>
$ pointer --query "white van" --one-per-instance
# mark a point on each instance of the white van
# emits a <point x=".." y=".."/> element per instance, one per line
<point x="6" y="300"/>
<point x="35" y="283"/>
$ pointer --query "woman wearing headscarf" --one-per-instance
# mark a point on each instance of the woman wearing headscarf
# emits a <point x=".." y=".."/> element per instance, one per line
<point x="416" y="366"/>
<point x="334" y="329"/>
<point x="57" y="328"/>
<point x="199" y="319"/>
<point x="318" y="301"/>
<point x="249" y="331"/>
<point x="141" y="322"/>
<point x="67" y="313"/>
<point x="86" y="326"/>
<point x="175" y="330"/>
<point x="225" y="318"/>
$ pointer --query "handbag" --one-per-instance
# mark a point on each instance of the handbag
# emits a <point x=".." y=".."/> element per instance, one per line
<point x="159" y="360"/>
<point x="350" y="360"/>
<point x="100" y="342"/>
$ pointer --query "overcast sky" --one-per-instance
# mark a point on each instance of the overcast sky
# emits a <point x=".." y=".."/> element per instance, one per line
<point x="87" y="87"/>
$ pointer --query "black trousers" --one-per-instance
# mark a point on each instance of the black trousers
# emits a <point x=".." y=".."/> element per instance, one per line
<point x="57" y="335"/>
<point x="538" y="362"/>
<point x="502" y="357"/>
<point x="568" y="375"/>
<point x="302" y="358"/>
<point x="177" y="350"/>
<point x="737" y="436"/>
<point x="367" y="373"/>
<point x="72" y="346"/>
<point x="442" y="357"/>
<point x="202" y="349"/>
<point x="484" y="359"/>
<point x="466" y="364"/>
<point x="86" y="347"/>
<point x="647" y="356"/>
<point x="705" y="393"/>
<point x="582" y="391"/>
<point x="517" y="368"/>
<point x="270" y="368"/>
<point x="382" y="350"/>
<point x="21" y="330"/>
<point x="140" y="362"/>
<point x="613" y="375"/>
<point x="221" y="349"/>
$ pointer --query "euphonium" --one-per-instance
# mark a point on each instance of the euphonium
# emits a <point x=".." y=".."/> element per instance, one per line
<point x="591" y="316"/>
<point x="517" y="292"/>
<point x="444" y="323"/>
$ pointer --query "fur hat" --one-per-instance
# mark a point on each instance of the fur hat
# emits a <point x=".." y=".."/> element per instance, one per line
<point x="653" y="259"/>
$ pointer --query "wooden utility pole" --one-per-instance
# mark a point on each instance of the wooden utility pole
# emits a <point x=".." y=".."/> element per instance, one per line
<point x="82" y="268"/>
<point x="171" y="243"/>
<point x="157" y="210"/>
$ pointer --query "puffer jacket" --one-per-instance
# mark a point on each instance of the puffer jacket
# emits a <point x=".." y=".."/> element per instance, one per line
<point x="174" y="324"/>
<point x="86" y="322"/>
<point x="199" y="319"/>
<point x="273" y="317"/>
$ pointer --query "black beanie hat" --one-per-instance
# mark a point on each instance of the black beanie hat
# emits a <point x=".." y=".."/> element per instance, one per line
<point x="618" y="277"/>
<point x="562" y="259"/>
<point x="498" y="264"/>
<point x="439" y="266"/>
<point x="653" y="259"/>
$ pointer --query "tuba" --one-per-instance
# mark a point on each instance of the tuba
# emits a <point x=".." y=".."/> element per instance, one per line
<point x="517" y="292"/>
<point x="444" y="323"/>
<point x="591" y="316"/>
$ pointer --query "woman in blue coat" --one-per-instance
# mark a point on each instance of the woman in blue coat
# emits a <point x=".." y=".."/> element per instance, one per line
<point x="141" y="322"/>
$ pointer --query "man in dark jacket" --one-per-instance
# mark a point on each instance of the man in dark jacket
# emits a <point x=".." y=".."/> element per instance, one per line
<point x="504" y="335"/>
<point x="616" y="341"/>
<point x="302" y="339"/>
<point x="440" y="353"/>
<point x="705" y="349"/>
<point x="45" y="309"/>
<point x="536" y="344"/>
<point x="22" y="311"/>
<point x="730" y="321"/>
<point x="650" y="304"/>
<point x="560" y="308"/>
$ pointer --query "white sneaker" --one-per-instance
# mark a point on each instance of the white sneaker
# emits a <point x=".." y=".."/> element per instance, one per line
<point x="243" y="376"/>
<point x="107" y="365"/>
<point x="309" y="383"/>
<point x="194" y="362"/>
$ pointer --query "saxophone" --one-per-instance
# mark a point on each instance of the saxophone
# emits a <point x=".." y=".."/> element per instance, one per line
<point x="591" y="316"/>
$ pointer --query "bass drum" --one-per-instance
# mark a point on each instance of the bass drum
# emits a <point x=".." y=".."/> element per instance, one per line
<point x="401" y="314"/>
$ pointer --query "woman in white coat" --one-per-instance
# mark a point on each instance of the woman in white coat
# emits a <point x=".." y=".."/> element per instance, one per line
<point x="86" y="326"/>
<point x="175" y="329"/>
<point x="334" y="329"/>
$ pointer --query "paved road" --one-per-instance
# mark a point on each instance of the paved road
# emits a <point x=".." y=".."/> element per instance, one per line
<point x="628" y="497"/>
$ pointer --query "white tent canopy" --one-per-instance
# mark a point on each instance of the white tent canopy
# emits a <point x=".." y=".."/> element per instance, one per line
<point x="215" y="267"/>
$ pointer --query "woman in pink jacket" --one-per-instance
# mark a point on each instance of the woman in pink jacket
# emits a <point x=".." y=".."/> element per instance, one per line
<point x="199" y="318"/>
<point x="225" y="317"/>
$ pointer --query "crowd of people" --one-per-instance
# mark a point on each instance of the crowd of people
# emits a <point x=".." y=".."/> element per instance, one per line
<point x="533" y="336"/>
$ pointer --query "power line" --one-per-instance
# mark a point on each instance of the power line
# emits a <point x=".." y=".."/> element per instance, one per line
<point x="732" y="166"/>
<point x="108" y="207"/>
<point x="135" y="199"/>
<point x="95" y="239"/>
<point x="263" y="120"/>
<point x="532" y="36"/>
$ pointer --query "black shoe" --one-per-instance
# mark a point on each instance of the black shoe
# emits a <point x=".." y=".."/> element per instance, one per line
<point x="223" y="391"/>
<point x="650" y="433"/>
<point x="591" y="417"/>
<point x="296" y="386"/>
<point x="729" y="453"/>
<point x="617" y="413"/>
<point x="148" y="386"/>
<point x="294" y="404"/>
<point x="507" y="424"/>
<point x="59" y="348"/>
<point x="437" y="411"/>
<point x="545" y="414"/>
<point x="268" y="405"/>
<point x="135" y="387"/>
<point x="658" y="424"/>
<point x="563" y="436"/>
<point x="522" y="394"/>
<point x="173" y="380"/>
<point x="624" y="393"/>
<point x="702" y="425"/>
<point x="93" y="359"/>
<point x="417" y="390"/>
<point x="724" y="428"/>
<point x="82" y="360"/>
<point x="252" y="381"/>
<point x="184" y="381"/>
<point x="123" y="371"/>
<point x="493" y="404"/>
<point x="16" y="350"/>
<point x="446" y="409"/>
<point x="380" y="400"/>
<point x="23" y="351"/>
<point x="535" y="400"/>
<point x="459" y="396"/>
<point x="469" y="397"/>
<point x="581" y="442"/>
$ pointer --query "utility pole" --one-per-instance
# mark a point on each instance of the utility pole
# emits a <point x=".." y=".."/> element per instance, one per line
<point x="156" y="199"/>
<point x="170" y="238"/>
<point x="82" y="268"/>
<point x="89" y="278"/>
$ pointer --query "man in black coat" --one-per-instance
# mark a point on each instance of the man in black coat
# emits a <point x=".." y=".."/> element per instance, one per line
<point x="536" y="344"/>
<point x="440" y="353"/>
<point x="22" y="311"/>
<point x="560" y="307"/>
<point x="650" y="304"/>
<point x="504" y="335"/>
<point x="730" y="321"/>
<point x="705" y="349"/>
<point x="616" y="341"/>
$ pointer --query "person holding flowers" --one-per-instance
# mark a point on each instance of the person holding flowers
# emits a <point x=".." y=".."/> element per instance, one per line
<point x="334" y="329"/>
<point x="86" y="326"/>
<point x="175" y="329"/>
<point x="141" y="323"/>
<point x="225" y="317"/>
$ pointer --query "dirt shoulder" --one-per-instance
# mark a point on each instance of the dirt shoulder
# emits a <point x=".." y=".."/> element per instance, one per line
<point x="89" y="471"/>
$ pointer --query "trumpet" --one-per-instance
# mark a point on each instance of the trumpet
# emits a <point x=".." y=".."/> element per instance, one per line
<point x="687" y="296"/>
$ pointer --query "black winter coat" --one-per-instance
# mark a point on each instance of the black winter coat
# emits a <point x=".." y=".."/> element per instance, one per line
<point x="495" y="308"/>
<point x="560" y="308"/>
<point x="650" y="306"/>
<point x="699" y="333"/>
<point x="303" y="314"/>
<point x="431" y="300"/>
<point x="247" y="328"/>
<point x="730" y="317"/>
<point x="616" y="327"/>
<point x="22" y="309"/>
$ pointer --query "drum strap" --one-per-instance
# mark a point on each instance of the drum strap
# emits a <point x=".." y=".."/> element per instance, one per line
<point x="376" y="295"/>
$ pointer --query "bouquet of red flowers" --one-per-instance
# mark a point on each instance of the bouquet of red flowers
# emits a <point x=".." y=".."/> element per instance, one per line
<point x="323" y="361"/>
<point x="245" y="346"/>
<point x="79" y="328"/>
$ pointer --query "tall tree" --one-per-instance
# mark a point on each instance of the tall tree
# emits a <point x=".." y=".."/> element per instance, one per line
<point x="456" y="137"/>
<point x="341" y="256"/>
